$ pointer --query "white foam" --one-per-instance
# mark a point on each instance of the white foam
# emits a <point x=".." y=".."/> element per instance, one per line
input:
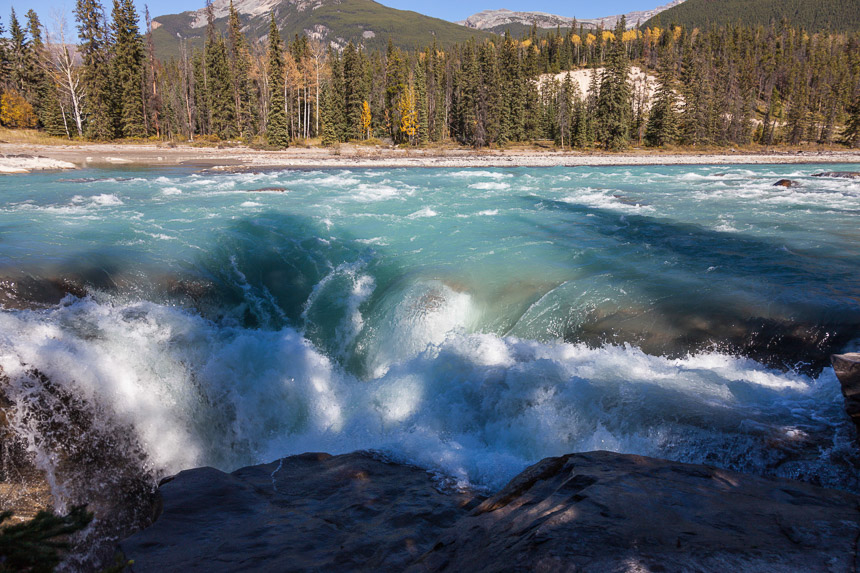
<point x="606" y="199"/>
<point x="475" y="406"/>
<point x="422" y="213"/>
<point x="105" y="200"/>
<point x="479" y="173"/>
<point x="489" y="186"/>
<point x="371" y="193"/>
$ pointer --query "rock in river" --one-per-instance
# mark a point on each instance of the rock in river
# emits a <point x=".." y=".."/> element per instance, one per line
<point x="596" y="511"/>
<point x="847" y="369"/>
<point x="842" y="174"/>
<point x="786" y="183"/>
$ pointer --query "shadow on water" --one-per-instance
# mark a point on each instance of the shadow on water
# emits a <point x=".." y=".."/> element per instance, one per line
<point x="267" y="271"/>
<point x="751" y="296"/>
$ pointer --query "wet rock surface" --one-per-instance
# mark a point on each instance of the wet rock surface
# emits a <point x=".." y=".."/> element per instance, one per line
<point x="786" y="183"/>
<point x="841" y="174"/>
<point x="308" y="512"/>
<point x="597" y="511"/>
<point x="847" y="369"/>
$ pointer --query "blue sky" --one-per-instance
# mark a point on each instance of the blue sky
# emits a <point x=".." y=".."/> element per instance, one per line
<point x="447" y="9"/>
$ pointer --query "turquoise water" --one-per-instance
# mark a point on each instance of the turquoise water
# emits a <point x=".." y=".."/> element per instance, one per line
<point x="469" y="321"/>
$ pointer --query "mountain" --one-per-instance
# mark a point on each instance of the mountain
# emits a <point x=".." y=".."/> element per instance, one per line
<point x="814" y="15"/>
<point x="497" y="21"/>
<point x="332" y="21"/>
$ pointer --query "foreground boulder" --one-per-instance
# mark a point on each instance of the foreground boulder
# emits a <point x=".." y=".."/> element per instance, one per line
<point x="610" y="512"/>
<point x="847" y="369"/>
<point x="598" y="511"/>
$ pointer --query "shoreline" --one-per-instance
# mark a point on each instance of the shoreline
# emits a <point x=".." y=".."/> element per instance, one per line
<point x="25" y="158"/>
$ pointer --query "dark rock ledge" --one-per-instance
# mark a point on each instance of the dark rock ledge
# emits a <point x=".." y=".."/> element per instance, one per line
<point x="847" y="369"/>
<point x="596" y="511"/>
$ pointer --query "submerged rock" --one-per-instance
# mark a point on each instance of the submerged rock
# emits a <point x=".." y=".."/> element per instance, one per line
<point x="847" y="369"/>
<point x="597" y="511"/>
<point x="786" y="183"/>
<point x="842" y="174"/>
<point x="27" y="292"/>
<point x="268" y="190"/>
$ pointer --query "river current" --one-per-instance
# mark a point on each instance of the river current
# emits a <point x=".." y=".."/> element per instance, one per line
<point x="468" y="321"/>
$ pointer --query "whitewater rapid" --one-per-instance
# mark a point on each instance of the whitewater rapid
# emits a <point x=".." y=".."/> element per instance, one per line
<point x="469" y="322"/>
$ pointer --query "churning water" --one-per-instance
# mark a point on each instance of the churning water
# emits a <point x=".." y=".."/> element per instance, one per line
<point x="469" y="321"/>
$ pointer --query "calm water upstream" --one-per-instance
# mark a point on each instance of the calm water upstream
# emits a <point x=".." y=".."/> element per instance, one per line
<point x="469" y="321"/>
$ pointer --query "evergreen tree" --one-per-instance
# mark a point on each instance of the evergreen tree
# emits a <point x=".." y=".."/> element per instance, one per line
<point x="240" y="68"/>
<point x="797" y="113"/>
<point x="45" y="93"/>
<point x="219" y="85"/>
<point x="329" y="127"/>
<point x="421" y="104"/>
<point x="277" y="131"/>
<point x="851" y="133"/>
<point x="18" y="55"/>
<point x="94" y="50"/>
<point x="199" y="93"/>
<point x="662" y="126"/>
<point x="4" y="60"/>
<point x="396" y="83"/>
<point x="127" y="69"/>
<point x="353" y="91"/>
<point x="614" y="104"/>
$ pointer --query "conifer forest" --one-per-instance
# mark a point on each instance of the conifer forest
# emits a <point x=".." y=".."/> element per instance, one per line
<point x="722" y="86"/>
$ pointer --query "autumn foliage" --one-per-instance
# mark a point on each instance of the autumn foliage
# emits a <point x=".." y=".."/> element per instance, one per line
<point x="15" y="111"/>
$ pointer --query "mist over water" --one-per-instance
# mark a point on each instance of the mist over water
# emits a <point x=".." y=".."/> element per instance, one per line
<point x="469" y="321"/>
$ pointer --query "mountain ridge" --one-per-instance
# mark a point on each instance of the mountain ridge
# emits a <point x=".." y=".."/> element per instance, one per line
<point x="333" y="22"/>
<point x="497" y="20"/>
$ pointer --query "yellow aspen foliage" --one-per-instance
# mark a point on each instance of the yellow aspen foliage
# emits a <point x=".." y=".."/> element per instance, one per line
<point x="608" y="36"/>
<point x="408" y="114"/>
<point x="15" y="111"/>
<point x="676" y="33"/>
<point x="366" y="119"/>
<point x="577" y="41"/>
<point x="629" y="36"/>
<point x="590" y="39"/>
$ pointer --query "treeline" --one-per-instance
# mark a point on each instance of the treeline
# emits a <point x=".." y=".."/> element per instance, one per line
<point x="723" y="86"/>
<point x="814" y="15"/>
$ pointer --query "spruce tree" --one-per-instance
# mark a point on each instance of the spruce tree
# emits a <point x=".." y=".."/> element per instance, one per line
<point x="396" y="83"/>
<point x="614" y="104"/>
<point x="353" y="92"/>
<point x="18" y="55"/>
<point x="199" y="85"/>
<point x="329" y="127"/>
<point x="662" y="126"/>
<point x="240" y="69"/>
<point x="851" y="133"/>
<point x="277" y="130"/>
<point x="337" y="98"/>
<point x="219" y="85"/>
<point x="421" y="104"/>
<point x="127" y="69"/>
<point x="94" y="50"/>
<point x="4" y="60"/>
<point x="46" y="95"/>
